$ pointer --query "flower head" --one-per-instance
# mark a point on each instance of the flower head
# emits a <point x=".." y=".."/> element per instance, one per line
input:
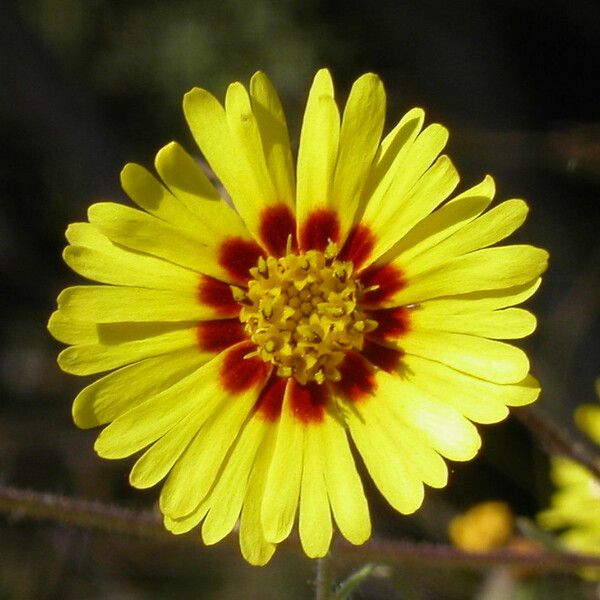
<point x="483" y="527"/>
<point x="575" y="507"/>
<point x="344" y="300"/>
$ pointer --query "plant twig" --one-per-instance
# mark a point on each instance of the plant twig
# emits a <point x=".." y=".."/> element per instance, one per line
<point x="20" y="504"/>
<point x="556" y="439"/>
<point x="444" y="555"/>
<point x="25" y="504"/>
<point x="324" y="578"/>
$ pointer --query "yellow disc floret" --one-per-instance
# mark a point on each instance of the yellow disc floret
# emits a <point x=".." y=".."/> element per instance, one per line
<point x="301" y="311"/>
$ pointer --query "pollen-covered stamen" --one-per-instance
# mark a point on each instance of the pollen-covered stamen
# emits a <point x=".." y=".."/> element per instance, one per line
<point x="302" y="313"/>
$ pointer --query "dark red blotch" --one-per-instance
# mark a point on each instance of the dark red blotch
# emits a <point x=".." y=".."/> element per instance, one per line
<point x="214" y="336"/>
<point x="357" y="379"/>
<point x="239" y="374"/>
<point x="237" y="256"/>
<point x="358" y="246"/>
<point x="308" y="402"/>
<point x="217" y="295"/>
<point x="321" y="227"/>
<point x="387" y="359"/>
<point x="389" y="280"/>
<point x="392" y="323"/>
<point x="270" y="400"/>
<point x="277" y="223"/>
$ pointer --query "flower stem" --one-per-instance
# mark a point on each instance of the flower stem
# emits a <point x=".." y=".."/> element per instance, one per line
<point x="25" y="504"/>
<point x="18" y="503"/>
<point x="324" y="579"/>
<point x="556" y="440"/>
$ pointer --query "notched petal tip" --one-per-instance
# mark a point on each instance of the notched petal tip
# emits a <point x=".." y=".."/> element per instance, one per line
<point x="169" y="155"/>
<point x="416" y="112"/>
<point x="544" y="259"/>
<point x="194" y="99"/>
<point x="104" y="211"/>
<point x="53" y="325"/>
<point x="139" y="481"/>
<point x="82" y="415"/>
<point x="324" y="82"/>
<point x="529" y="390"/>
<point x="369" y="79"/>
<point x="73" y="230"/>
<point x="258" y="75"/>
<point x="195" y="92"/>
<point x="437" y="130"/>
<point x="130" y="172"/>
<point x="488" y="186"/>
<point x="103" y="449"/>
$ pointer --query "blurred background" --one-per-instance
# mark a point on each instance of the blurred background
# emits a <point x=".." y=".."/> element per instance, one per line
<point x="88" y="85"/>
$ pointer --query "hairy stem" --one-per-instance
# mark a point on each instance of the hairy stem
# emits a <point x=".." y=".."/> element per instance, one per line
<point x="556" y="440"/>
<point x="24" y="504"/>
<point x="323" y="581"/>
<point x="19" y="504"/>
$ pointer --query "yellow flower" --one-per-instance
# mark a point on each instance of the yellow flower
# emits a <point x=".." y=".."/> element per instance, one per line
<point x="343" y="299"/>
<point x="483" y="527"/>
<point x="575" y="506"/>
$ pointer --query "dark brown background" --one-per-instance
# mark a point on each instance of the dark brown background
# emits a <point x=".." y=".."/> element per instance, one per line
<point x="87" y="85"/>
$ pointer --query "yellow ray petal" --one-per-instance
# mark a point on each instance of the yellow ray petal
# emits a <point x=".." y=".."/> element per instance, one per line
<point x="478" y="400"/>
<point x="72" y="331"/>
<point x="207" y="120"/>
<point x="228" y="140"/>
<point x="109" y="397"/>
<point x="344" y="487"/>
<point x="272" y="125"/>
<point x="488" y="359"/>
<point x="158" y="460"/>
<point x="432" y="188"/>
<point x="255" y="548"/>
<point x="442" y="223"/>
<point x="439" y="425"/>
<point x="318" y="149"/>
<point x="314" y="515"/>
<point x="149" y="194"/>
<point x="187" y="523"/>
<point x="510" y="323"/>
<point x="140" y="231"/>
<point x="393" y="431"/>
<point x="85" y="359"/>
<point x="111" y="304"/>
<point x="482" y="301"/>
<point x="391" y="153"/>
<point x="88" y="236"/>
<point x="194" y="474"/>
<point x="247" y="140"/>
<point x="186" y="180"/>
<point x="416" y="159"/>
<point x="282" y="488"/>
<point x="362" y="124"/>
<point x="119" y="266"/>
<point x="146" y="422"/>
<point x="230" y="490"/>
<point x="486" y="230"/>
<point x="427" y="463"/>
<point x="487" y="269"/>
<point x="392" y="472"/>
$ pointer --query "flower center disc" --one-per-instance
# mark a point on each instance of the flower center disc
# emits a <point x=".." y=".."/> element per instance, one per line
<point x="302" y="313"/>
